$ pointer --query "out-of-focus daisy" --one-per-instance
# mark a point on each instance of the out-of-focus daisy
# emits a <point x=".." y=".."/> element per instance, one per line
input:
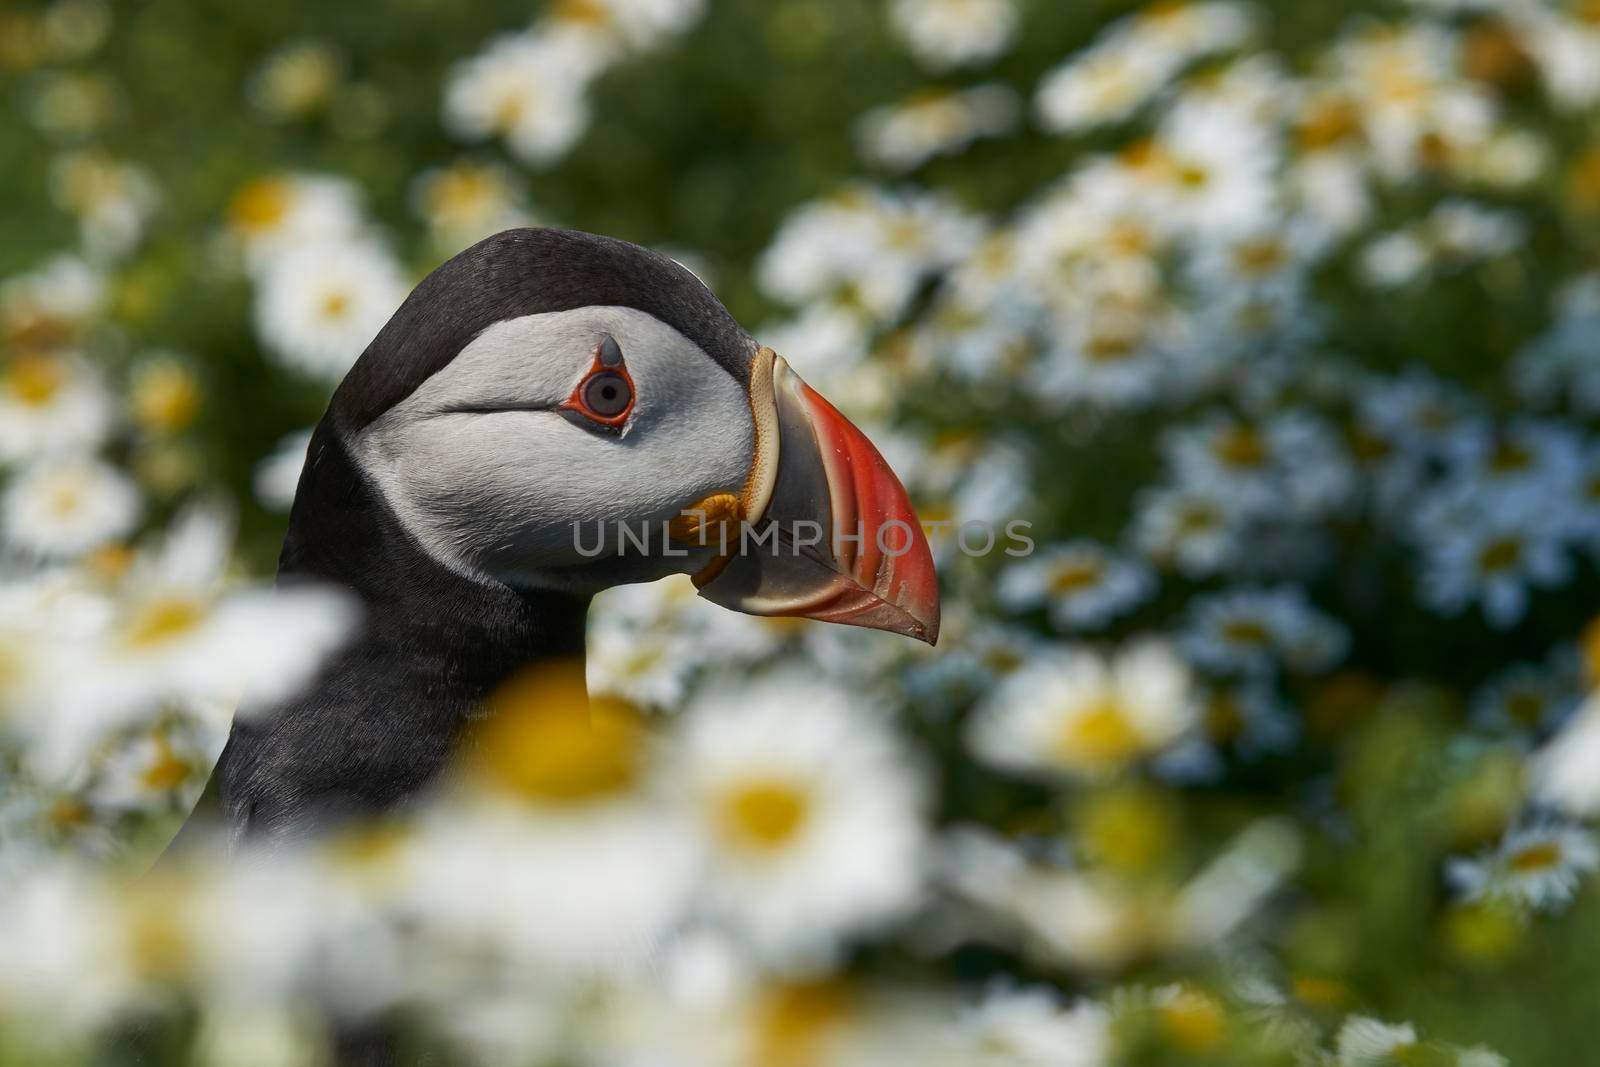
<point x="529" y="89"/>
<point x="954" y="33"/>
<point x="1252" y="630"/>
<point x="1077" y="713"/>
<point x="1456" y="234"/>
<point x="1191" y="529"/>
<point x="112" y="200"/>
<point x="164" y="395"/>
<point x="1365" y="1042"/>
<point x="1524" y="699"/>
<point x="51" y="403"/>
<point x="180" y="632"/>
<point x="1083" y="585"/>
<point x="296" y="80"/>
<point x="1563" y="772"/>
<point x="1091" y="920"/>
<point x="319" y="305"/>
<point x="1214" y="167"/>
<point x="278" y="475"/>
<point x="1538" y="866"/>
<point x="1494" y="559"/>
<point x="50" y="306"/>
<point x="811" y="822"/>
<point x="1559" y="364"/>
<point x="1286" y="460"/>
<point x="865" y="247"/>
<point x="935" y="123"/>
<point x="161" y="771"/>
<point x="562" y="854"/>
<point x="68" y="505"/>
<point x="610" y="25"/>
<point x="1105" y="83"/>
<point x="280" y="213"/>
<point x="1029" y="1027"/>
<point x="467" y="201"/>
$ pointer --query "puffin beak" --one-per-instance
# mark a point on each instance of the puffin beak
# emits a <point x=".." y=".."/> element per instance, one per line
<point x="828" y="532"/>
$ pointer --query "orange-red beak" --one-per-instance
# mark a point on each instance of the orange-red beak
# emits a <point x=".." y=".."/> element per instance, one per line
<point x="829" y="532"/>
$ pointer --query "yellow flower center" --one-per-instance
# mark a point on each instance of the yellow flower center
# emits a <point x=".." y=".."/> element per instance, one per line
<point x="793" y="1021"/>
<point x="461" y="191"/>
<point x="1525" y="708"/>
<point x="1246" y="632"/>
<point x="261" y="205"/>
<point x="1539" y="856"/>
<point x="166" y="771"/>
<point x="1074" y="577"/>
<point x="163" y="620"/>
<point x="582" y="12"/>
<point x="1241" y="446"/>
<point x="1224" y="718"/>
<point x="1318" y="991"/>
<point x="1103" y="735"/>
<point x="1328" y="123"/>
<point x="508" y="112"/>
<point x="1500" y="555"/>
<point x="1509" y="457"/>
<point x="166" y="397"/>
<point x="1262" y="256"/>
<point x="544" y="740"/>
<point x="762" y="814"/>
<point x="335" y="304"/>
<point x="34" y="381"/>
<point x="1194" y="1022"/>
<point x="65" y="498"/>
<point x="1110" y="347"/>
<point x="1193" y="176"/>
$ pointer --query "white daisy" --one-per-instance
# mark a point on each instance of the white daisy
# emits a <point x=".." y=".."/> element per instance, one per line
<point x="1252" y="630"/>
<point x="68" y="505"/>
<point x="527" y="88"/>
<point x="319" y="305"/>
<point x="1074" y="712"/>
<point x="1563" y="772"/>
<point x="296" y="80"/>
<point x="955" y="33"/>
<point x="1083" y="585"/>
<point x="279" y="213"/>
<point x="1288" y="462"/>
<point x="162" y="770"/>
<point x="1214" y="168"/>
<point x="51" y="305"/>
<point x="811" y="820"/>
<point x="179" y="632"/>
<point x="113" y="200"/>
<point x="1494" y="559"/>
<point x="904" y="136"/>
<point x="468" y="201"/>
<point x="1523" y="699"/>
<point x="1194" y="530"/>
<point x="52" y="403"/>
<point x="1029" y="1027"/>
<point x="1364" y="1042"/>
<point x="1538" y="866"/>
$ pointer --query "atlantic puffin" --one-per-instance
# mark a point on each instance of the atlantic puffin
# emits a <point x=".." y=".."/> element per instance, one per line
<point x="531" y="397"/>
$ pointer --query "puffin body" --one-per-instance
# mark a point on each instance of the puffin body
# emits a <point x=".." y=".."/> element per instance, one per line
<point x="470" y="484"/>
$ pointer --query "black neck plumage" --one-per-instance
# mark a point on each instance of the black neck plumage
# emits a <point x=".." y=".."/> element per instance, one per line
<point x="388" y="712"/>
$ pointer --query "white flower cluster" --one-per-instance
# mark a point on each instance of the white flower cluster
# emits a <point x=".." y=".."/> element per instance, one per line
<point x="531" y="88"/>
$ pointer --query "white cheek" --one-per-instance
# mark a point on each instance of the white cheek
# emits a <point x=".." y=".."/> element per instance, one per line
<point x="502" y="491"/>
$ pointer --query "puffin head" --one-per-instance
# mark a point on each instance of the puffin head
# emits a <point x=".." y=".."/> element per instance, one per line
<point x="556" y="410"/>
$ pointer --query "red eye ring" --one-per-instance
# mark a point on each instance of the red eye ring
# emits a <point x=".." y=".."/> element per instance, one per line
<point x="605" y="394"/>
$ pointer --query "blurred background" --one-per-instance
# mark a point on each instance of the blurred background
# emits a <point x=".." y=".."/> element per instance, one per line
<point x="1276" y="324"/>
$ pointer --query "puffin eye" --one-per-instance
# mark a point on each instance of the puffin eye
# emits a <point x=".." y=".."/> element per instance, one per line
<point x="607" y="394"/>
